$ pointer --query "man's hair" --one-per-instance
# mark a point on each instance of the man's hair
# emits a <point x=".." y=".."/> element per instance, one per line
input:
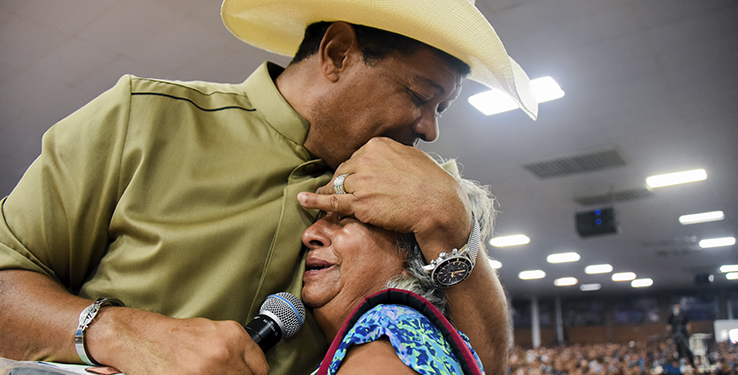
<point x="375" y="44"/>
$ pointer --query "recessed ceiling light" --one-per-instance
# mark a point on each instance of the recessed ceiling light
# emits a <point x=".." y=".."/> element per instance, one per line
<point x="566" y="281"/>
<point x="623" y="276"/>
<point x="641" y="283"/>
<point x="563" y="257"/>
<point x="598" y="268"/>
<point x="732" y="276"/>
<point x="496" y="264"/>
<point x="717" y="242"/>
<point x="514" y="240"/>
<point x="491" y="102"/>
<point x="729" y="268"/>
<point x="701" y="218"/>
<point x="676" y="178"/>
<point x="589" y="287"/>
<point x="531" y="275"/>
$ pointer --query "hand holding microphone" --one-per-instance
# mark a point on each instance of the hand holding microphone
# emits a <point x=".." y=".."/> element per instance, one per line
<point x="280" y="316"/>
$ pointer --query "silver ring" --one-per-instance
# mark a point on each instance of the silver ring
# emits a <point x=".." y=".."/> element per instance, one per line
<point x="338" y="183"/>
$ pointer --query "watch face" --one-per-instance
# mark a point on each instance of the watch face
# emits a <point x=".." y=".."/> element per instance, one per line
<point x="452" y="271"/>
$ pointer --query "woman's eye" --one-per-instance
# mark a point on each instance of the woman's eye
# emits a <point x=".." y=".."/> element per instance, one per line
<point x="342" y="217"/>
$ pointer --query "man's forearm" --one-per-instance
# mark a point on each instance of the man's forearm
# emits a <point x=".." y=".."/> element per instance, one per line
<point x="478" y="307"/>
<point x="38" y="317"/>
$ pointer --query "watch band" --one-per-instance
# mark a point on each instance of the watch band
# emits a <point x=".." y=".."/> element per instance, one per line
<point x="470" y="250"/>
<point x="472" y="244"/>
<point x="85" y="319"/>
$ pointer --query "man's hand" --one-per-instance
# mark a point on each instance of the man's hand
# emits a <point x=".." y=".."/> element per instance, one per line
<point x="39" y="317"/>
<point x="400" y="188"/>
<point x="139" y="342"/>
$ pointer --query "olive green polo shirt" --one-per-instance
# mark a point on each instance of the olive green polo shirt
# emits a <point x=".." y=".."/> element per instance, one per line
<point x="175" y="197"/>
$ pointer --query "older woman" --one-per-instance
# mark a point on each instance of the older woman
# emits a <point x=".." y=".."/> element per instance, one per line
<point x="349" y="260"/>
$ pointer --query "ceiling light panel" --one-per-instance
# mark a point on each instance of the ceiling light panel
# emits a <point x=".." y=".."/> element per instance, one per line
<point x="590" y="287"/>
<point x="491" y="102"/>
<point x="563" y="257"/>
<point x="676" y="178"/>
<point x="514" y="240"/>
<point x="531" y="275"/>
<point x="566" y="281"/>
<point x="732" y="276"/>
<point x="729" y="268"/>
<point x="641" y="283"/>
<point x="598" y="268"/>
<point x="704" y="217"/>
<point x="623" y="276"/>
<point x="496" y="264"/>
<point x="717" y="242"/>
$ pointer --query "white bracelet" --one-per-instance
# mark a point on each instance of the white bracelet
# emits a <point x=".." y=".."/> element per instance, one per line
<point x="85" y="319"/>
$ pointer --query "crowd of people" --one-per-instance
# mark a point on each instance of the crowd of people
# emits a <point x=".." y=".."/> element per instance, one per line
<point x="651" y="357"/>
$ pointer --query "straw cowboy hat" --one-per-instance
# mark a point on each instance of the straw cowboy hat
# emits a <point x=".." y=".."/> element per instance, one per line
<point x="453" y="26"/>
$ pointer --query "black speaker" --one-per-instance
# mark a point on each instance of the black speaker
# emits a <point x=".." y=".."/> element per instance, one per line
<point x="703" y="278"/>
<point x="597" y="222"/>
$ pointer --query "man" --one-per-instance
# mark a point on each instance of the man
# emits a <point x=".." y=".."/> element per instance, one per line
<point x="678" y="325"/>
<point x="181" y="199"/>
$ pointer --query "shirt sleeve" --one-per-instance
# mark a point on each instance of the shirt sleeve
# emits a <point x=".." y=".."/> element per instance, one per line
<point x="56" y="220"/>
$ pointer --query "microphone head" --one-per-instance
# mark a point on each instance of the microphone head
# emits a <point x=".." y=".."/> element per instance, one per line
<point x="286" y="310"/>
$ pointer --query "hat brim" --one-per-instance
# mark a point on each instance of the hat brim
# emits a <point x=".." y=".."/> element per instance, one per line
<point x="453" y="26"/>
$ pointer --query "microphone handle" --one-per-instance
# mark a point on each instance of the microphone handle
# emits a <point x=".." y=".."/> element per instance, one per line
<point x="264" y="331"/>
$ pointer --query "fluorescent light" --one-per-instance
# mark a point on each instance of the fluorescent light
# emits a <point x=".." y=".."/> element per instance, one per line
<point x="729" y="268"/>
<point x="717" y="242"/>
<point x="546" y="89"/>
<point x="589" y="287"/>
<point x="496" y="264"/>
<point x="491" y="102"/>
<point x="623" y="276"/>
<point x="598" y="268"/>
<point x="514" y="240"/>
<point x="676" y="178"/>
<point x="566" y="281"/>
<point x="732" y="276"/>
<point x="641" y="283"/>
<point x="531" y="275"/>
<point x="563" y="257"/>
<point x="701" y="218"/>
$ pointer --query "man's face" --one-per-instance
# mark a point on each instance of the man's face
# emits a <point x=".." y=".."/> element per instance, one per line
<point x="400" y="97"/>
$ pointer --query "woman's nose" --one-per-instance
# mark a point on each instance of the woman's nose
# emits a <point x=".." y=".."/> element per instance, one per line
<point x="317" y="235"/>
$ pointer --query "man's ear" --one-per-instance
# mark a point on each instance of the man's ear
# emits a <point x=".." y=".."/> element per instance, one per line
<point x="338" y="49"/>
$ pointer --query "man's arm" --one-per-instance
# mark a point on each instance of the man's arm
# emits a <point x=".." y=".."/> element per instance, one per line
<point x="400" y="188"/>
<point x="39" y="317"/>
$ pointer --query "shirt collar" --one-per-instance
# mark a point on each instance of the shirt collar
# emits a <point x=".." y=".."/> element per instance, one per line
<point x="267" y="99"/>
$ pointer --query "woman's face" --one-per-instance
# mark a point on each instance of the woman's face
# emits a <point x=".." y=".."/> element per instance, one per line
<point x="347" y="260"/>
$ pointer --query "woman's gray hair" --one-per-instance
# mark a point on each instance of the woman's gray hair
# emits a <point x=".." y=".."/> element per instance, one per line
<point x="416" y="279"/>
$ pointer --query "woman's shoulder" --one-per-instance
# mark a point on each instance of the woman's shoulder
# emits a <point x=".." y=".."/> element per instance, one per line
<point x="415" y="339"/>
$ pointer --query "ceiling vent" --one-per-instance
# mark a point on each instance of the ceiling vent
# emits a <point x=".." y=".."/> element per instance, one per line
<point x="583" y="163"/>
<point x="677" y="246"/>
<point x="613" y="196"/>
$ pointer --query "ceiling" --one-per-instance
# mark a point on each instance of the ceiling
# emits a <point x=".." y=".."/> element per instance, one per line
<point x="655" y="80"/>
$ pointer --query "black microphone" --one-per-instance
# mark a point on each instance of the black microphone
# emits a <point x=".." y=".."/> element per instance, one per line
<point x="280" y="316"/>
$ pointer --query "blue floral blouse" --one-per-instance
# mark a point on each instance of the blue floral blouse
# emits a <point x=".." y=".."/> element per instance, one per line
<point x="417" y="341"/>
